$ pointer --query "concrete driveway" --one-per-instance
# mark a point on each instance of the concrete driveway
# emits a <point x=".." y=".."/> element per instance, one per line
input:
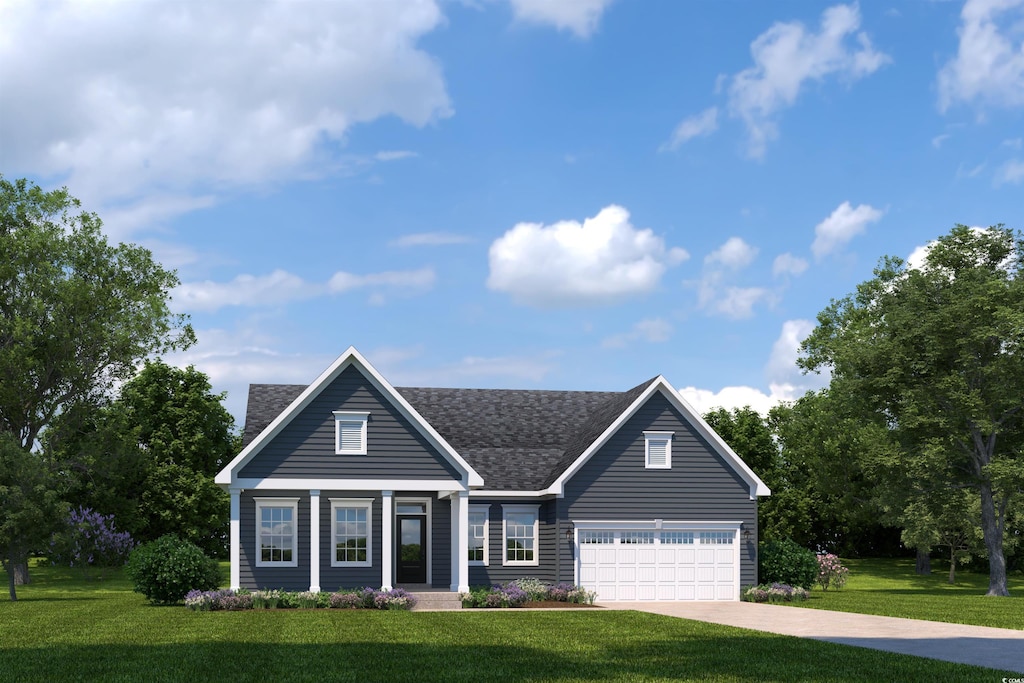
<point x="997" y="648"/>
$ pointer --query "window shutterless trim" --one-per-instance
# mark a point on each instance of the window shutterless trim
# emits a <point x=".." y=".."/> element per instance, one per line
<point x="484" y="510"/>
<point x="520" y="509"/>
<point x="357" y="504"/>
<point x="284" y="503"/>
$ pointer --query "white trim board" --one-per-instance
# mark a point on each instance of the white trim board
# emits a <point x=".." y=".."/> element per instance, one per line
<point x="228" y="475"/>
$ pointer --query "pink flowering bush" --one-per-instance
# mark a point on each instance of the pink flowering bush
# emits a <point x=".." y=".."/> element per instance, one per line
<point x="831" y="572"/>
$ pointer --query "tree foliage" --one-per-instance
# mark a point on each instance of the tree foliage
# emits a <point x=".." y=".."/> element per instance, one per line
<point x="76" y="313"/>
<point x="30" y="507"/>
<point x="936" y="353"/>
<point x="150" y="456"/>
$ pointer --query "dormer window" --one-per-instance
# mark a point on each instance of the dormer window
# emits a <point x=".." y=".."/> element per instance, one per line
<point x="350" y="432"/>
<point x="658" y="448"/>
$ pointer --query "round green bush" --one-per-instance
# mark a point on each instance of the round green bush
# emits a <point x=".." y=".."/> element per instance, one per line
<point x="787" y="562"/>
<point x="166" y="569"/>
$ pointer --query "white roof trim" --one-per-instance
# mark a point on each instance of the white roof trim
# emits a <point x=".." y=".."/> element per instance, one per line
<point x="757" y="487"/>
<point x="228" y="475"/>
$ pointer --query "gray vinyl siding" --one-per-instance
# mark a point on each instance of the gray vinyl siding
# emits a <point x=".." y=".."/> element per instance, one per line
<point x="289" y="578"/>
<point x="305" y="447"/>
<point x="700" y="486"/>
<point x="333" y="578"/>
<point x="495" y="572"/>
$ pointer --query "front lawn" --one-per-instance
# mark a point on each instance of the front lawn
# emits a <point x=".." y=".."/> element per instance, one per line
<point x="889" y="587"/>
<point x="63" y="628"/>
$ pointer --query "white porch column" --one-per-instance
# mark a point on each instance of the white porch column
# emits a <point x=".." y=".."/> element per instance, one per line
<point x="314" y="540"/>
<point x="236" y="537"/>
<point x="460" y="542"/>
<point x="387" y="539"/>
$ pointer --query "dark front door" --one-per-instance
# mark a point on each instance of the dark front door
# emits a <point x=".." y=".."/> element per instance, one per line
<point x="412" y="549"/>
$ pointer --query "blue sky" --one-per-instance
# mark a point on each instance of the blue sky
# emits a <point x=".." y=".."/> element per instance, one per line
<point x="570" y="194"/>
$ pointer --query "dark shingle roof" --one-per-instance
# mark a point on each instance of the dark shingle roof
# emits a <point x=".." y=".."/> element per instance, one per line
<point x="515" y="439"/>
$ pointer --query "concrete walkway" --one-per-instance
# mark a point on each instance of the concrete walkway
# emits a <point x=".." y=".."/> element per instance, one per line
<point x="996" y="648"/>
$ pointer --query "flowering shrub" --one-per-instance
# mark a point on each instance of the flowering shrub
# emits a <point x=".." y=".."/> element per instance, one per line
<point x="534" y="588"/>
<point x="364" y="598"/>
<point x="775" y="592"/>
<point x="90" y="541"/>
<point x="521" y="591"/>
<point x="346" y="601"/>
<point x="207" y="601"/>
<point x="267" y="599"/>
<point x="831" y="572"/>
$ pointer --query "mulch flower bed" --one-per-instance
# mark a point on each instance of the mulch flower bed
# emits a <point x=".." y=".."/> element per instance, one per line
<point x="555" y="604"/>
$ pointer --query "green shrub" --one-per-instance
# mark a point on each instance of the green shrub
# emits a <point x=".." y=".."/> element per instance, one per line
<point x="166" y="569"/>
<point x="787" y="562"/>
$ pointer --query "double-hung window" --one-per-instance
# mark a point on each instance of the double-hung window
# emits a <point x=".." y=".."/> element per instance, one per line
<point x="350" y="432"/>
<point x="277" y="532"/>
<point x="521" y="532"/>
<point x="478" y="534"/>
<point x="351" y="532"/>
<point x="658" y="450"/>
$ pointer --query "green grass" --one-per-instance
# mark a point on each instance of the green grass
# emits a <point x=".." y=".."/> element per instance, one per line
<point x="63" y="628"/>
<point x="890" y="588"/>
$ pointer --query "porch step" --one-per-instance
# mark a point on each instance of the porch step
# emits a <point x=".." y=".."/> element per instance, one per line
<point x="436" y="600"/>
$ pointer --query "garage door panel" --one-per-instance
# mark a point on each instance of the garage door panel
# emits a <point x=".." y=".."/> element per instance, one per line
<point x="687" y="565"/>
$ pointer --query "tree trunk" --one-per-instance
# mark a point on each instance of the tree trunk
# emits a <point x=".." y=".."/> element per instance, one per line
<point x="952" y="564"/>
<point x="924" y="561"/>
<point x="993" y="543"/>
<point x="20" y="573"/>
<point x="10" y="584"/>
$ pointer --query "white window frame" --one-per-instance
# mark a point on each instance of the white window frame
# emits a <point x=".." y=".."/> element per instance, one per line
<point x="484" y="510"/>
<point x="665" y="437"/>
<point x="293" y="504"/>
<point x="364" y="503"/>
<point x="350" y="416"/>
<point x="514" y="509"/>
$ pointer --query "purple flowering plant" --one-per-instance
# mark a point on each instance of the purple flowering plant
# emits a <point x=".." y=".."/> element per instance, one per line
<point x="90" y="541"/>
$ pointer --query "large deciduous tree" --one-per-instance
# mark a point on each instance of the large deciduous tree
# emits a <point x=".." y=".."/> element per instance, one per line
<point x="150" y="456"/>
<point x="77" y="314"/>
<point x="937" y="352"/>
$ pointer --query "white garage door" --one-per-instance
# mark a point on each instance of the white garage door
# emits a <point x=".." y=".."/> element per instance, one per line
<point x="659" y="565"/>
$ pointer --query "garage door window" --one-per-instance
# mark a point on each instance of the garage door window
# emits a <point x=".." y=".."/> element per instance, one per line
<point x="638" y="537"/>
<point x="716" y="537"/>
<point x="597" y="537"/>
<point x="677" y="538"/>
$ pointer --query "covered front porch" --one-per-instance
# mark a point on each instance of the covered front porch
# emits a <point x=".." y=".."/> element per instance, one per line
<point x="410" y="538"/>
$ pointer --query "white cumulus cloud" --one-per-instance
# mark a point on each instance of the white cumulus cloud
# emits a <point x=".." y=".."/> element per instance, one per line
<point x="580" y="17"/>
<point x="788" y="264"/>
<point x="989" y="64"/>
<point x="124" y="99"/>
<point x="841" y="226"/>
<point x="787" y="56"/>
<point x="735" y="254"/>
<point x="602" y="260"/>
<point x="420" y="279"/>
<point x="698" y="125"/>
